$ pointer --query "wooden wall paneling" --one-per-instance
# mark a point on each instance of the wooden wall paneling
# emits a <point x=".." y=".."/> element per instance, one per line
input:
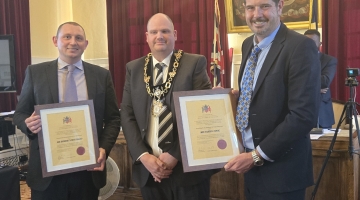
<point x="341" y="175"/>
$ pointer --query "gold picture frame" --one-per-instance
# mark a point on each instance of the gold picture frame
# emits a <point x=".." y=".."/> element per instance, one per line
<point x="296" y="15"/>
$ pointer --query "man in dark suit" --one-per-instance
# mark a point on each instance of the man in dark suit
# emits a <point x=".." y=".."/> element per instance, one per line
<point x="45" y="84"/>
<point x="280" y="72"/>
<point x="157" y="167"/>
<point x="328" y="70"/>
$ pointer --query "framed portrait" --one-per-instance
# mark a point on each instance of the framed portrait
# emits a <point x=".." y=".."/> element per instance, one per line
<point x="295" y="15"/>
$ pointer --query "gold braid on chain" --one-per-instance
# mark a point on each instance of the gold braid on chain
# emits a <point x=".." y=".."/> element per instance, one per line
<point x="163" y="90"/>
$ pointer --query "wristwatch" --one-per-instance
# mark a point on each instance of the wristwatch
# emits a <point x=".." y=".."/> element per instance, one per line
<point x="257" y="160"/>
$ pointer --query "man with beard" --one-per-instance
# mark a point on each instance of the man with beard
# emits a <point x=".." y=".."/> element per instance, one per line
<point x="277" y="106"/>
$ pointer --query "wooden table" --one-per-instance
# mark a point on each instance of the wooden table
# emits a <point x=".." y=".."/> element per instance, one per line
<point x="341" y="175"/>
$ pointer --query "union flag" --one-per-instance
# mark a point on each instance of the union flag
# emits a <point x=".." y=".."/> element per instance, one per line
<point x="217" y="55"/>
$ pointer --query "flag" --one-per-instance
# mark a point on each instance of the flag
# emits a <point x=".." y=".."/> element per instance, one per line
<point x="217" y="56"/>
<point x="314" y="14"/>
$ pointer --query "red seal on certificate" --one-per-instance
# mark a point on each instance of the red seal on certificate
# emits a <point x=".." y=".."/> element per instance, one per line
<point x="80" y="151"/>
<point x="222" y="144"/>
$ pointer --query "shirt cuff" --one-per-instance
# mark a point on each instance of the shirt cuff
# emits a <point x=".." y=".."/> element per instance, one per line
<point x="263" y="155"/>
<point x="138" y="159"/>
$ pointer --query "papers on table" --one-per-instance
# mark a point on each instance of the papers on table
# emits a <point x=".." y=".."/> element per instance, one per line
<point x="7" y="113"/>
<point x="324" y="132"/>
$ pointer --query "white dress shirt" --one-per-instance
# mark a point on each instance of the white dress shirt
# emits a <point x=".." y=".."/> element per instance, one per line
<point x="152" y="134"/>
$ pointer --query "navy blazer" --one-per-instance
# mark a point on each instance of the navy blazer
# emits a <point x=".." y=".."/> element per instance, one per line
<point x="284" y="108"/>
<point x="41" y="87"/>
<point x="328" y="70"/>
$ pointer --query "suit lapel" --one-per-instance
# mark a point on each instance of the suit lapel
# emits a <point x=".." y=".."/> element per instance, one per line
<point x="322" y="60"/>
<point x="247" y="50"/>
<point x="271" y="57"/>
<point x="168" y="97"/>
<point x="147" y="97"/>
<point x="90" y="78"/>
<point x="51" y="73"/>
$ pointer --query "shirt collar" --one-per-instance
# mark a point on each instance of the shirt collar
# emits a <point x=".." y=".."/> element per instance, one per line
<point x="62" y="64"/>
<point x="268" y="40"/>
<point x="166" y="61"/>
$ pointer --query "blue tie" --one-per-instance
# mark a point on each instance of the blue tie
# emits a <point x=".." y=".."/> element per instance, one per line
<point x="242" y="114"/>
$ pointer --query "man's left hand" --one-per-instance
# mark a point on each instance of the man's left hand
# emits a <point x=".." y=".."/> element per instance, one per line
<point x="101" y="160"/>
<point x="240" y="164"/>
<point x="169" y="160"/>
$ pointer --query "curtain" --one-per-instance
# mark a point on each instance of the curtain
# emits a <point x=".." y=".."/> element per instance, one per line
<point x="193" y="20"/>
<point x="225" y="45"/>
<point x="15" y="20"/>
<point x="341" y="39"/>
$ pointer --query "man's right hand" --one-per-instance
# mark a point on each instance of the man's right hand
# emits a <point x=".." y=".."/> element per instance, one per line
<point x="33" y="123"/>
<point x="324" y="90"/>
<point x="155" y="166"/>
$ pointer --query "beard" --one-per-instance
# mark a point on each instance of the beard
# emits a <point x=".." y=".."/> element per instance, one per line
<point x="267" y="26"/>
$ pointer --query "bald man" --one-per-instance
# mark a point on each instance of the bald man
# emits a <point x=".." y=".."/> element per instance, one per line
<point x="157" y="167"/>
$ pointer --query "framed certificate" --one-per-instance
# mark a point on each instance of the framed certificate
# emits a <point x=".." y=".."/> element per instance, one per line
<point x="68" y="139"/>
<point x="206" y="125"/>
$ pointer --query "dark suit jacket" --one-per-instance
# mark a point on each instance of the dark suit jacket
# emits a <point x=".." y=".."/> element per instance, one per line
<point x="328" y="70"/>
<point x="41" y="87"/>
<point x="284" y="108"/>
<point x="135" y="111"/>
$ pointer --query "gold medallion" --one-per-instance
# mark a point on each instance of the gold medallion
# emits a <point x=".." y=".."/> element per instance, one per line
<point x="158" y="93"/>
<point x="157" y="106"/>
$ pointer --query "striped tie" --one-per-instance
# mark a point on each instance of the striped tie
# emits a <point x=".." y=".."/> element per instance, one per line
<point x="165" y="129"/>
<point x="159" y="75"/>
<point x="242" y="115"/>
<point x="165" y="136"/>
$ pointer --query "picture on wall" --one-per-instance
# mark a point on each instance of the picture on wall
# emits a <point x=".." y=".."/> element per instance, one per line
<point x="295" y="14"/>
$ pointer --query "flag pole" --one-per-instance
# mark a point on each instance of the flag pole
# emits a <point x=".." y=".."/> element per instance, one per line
<point x="214" y="46"/>
<point x="313" y="14"/>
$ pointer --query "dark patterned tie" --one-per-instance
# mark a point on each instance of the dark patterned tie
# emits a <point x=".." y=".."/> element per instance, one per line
<point x="242" y="114"/>
<point x="159" y="75"/>
<point x="165" y="136"/>
<point x="165" y="129"/>
<point x="70" y="93"/>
